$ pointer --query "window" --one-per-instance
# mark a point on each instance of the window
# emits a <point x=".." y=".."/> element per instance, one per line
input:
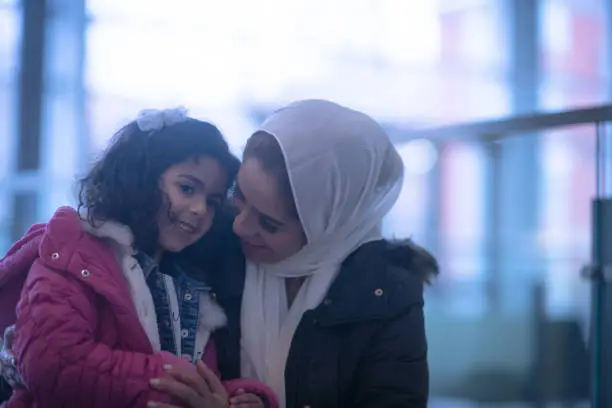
<point x="575" y="74"/>
<point x="568" y="170"/>
<point x="170" y="57"/>
<point x="463" y="211"/>
<point x="401" y="27"/>
<point x="9" y="63"/>
<point x="575" y="71"/>
<point x="9" y="38"/>
<point x="409" y="218"/>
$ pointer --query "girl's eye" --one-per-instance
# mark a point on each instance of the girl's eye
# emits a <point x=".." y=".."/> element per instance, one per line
<point x="187" y="189"/>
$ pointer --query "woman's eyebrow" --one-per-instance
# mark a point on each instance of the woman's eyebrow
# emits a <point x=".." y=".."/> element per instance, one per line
<point x="271" y="220"/>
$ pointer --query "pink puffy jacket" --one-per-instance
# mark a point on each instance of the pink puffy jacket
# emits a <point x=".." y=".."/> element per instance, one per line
<point x="78" y="341"/>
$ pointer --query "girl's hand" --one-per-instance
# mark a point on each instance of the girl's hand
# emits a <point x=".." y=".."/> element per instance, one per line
<point x="196" y="389"/>
<point x="244" y="400"/>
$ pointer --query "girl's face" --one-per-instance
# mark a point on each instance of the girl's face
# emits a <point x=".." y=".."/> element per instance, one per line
<point x="193" y="191"/>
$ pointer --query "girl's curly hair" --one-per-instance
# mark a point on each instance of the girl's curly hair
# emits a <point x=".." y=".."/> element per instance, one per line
<point x="123" y="185"/>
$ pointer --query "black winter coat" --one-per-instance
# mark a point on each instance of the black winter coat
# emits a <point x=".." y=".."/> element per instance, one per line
<point x="364" y="346"/>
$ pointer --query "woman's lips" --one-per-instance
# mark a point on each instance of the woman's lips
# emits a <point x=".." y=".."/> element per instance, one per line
<point x="254" y="247"/>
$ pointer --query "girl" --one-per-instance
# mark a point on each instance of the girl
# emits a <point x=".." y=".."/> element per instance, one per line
<point x="108" y="305"/>
<point x="331" y="314"/>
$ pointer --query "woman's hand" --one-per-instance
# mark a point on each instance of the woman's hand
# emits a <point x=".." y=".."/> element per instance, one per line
<point x="196" y="389"/>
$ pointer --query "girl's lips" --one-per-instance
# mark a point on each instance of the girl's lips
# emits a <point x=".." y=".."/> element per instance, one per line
<point x="186" y="227"/>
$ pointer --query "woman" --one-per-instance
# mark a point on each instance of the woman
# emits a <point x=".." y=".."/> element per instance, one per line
<point x="328" y="314"/>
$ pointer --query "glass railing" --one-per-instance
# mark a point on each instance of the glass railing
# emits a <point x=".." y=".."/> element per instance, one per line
<point x="507" y="207"/>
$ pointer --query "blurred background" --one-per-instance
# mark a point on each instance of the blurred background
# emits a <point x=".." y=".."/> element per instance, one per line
<point x="509" y="220"/>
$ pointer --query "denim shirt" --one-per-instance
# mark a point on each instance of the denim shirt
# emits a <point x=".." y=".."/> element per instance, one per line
<point x="188" y="294"/>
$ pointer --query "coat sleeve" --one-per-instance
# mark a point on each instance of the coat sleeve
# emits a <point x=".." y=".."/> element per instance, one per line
<point x="59" y="359"/>
<point x="394" y="372"/>
<point x="265" y="393"/>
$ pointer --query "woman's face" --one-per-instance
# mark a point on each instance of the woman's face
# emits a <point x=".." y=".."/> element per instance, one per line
<point x="268" y="231"/>
<point x="193" y="190"/>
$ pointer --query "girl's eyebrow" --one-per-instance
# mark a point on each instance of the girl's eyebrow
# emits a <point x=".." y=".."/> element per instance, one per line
<point x="193" y="179"/>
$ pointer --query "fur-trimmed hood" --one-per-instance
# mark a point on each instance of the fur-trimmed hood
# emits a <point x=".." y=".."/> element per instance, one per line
<point x="408" y="255"/>
<point x="67" y="233"/>
<point x="122" y="239"/>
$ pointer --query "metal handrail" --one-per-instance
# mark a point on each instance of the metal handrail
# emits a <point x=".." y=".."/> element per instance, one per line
<point x="496" y="130"/>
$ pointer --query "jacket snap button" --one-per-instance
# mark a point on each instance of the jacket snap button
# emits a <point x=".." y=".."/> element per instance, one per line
<point x="213" y="295"/>
<point x="378" y="292"/>
<point x="85" y="273"/>
<point x="55" y="256"/>
<point x="327" y="302"/>
<point x="188" y="296"/>
<point x="184" y="333"/>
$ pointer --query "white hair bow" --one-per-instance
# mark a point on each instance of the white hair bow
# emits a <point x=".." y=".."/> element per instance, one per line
<point x="150" y="120"/>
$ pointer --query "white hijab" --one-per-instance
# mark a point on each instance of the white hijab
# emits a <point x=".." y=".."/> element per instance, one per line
<point x="345" y="175"/>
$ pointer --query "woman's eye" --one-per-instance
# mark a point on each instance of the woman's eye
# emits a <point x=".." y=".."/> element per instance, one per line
<point x="237" y="206"/>
<point x="237" y="194"/>
<point x="268" y="226"/>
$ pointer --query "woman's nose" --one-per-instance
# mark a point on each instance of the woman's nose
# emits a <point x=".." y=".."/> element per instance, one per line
<point x="241" y="227"/>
